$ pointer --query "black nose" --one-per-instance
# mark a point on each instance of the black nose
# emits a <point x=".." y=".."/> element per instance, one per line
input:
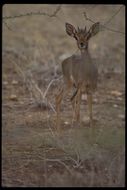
<point x="81" y="44"/>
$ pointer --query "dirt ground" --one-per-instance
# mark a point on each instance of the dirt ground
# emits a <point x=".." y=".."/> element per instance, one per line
<point x="33" y="153"/>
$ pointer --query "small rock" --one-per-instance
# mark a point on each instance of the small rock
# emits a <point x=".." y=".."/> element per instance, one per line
<point x="85" y="119"/>
<point x="115" y="106"/>
<point x="14" y="82"/>
<point x="121" y="116"/>
<point x="13" y="97"/>
<point x="116" y="93"/>
<point x="66" y="123"/>
<point x="119" y="98"/>
<point x="5" y="82"/>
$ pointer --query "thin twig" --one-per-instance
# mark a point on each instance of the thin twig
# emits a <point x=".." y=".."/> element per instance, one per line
<point x="54" y="14"/>
<point x="112" y="30"/>
<point x="113" y="15"/>
<point x="104" y="25"/>
<point x="45" y="93"/>
<point x="33" y="87"/>
<point x="87" y="18"/>
<point x="52" y="107"/>
<point x="56" y="11"/>
<point x="7" y="26"/>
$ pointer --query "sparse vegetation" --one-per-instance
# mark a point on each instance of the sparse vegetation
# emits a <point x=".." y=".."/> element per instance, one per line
<point x="33" y="153"/>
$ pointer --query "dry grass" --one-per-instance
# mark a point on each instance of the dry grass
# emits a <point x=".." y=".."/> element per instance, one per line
<point x="34" y="154"/>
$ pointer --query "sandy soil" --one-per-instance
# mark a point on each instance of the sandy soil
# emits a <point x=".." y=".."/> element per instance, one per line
<point x="33" y="154"/>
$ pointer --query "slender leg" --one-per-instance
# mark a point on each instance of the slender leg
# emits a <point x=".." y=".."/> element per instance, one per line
<point x="78" y="105"/>
<point x="59" y="98"/>
<point x="89" y="99"/>
<point x="74" y="94"/>
<point x="76" y="101"/>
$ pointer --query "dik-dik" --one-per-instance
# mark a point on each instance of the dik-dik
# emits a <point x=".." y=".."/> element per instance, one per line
<point x="79" y="71"/>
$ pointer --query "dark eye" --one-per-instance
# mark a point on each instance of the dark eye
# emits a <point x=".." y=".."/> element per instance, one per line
<point x="81" y="44"/>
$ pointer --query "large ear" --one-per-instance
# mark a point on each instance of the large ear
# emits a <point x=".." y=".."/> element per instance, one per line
<point x="95" y="28"/>
<point x="70" y="29"/>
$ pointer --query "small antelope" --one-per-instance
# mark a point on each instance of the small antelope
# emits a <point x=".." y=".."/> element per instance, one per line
<point x="79" y="71"/>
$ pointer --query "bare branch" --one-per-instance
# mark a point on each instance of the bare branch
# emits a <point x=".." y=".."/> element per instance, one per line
<point x="112" y="30"/>
<point x="7" y="26"/>
<point x="87" y="18"/>
<point x="53" y="80"/>
<point x="113" y="15"/>
<point x="54" y="14"/>
<point x="102" y="26"/>
<point x="56" y="11"/>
